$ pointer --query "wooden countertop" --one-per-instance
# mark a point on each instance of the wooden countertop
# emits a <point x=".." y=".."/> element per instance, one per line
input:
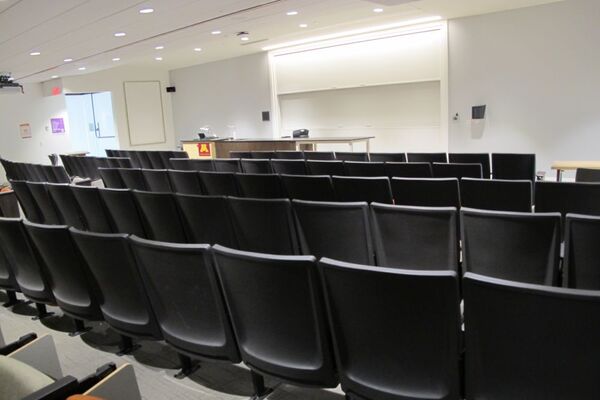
<point x="572" y="165"/>
<point x="290" y="139"/>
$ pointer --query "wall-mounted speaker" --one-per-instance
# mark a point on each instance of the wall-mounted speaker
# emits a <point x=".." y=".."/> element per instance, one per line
<point x="171" y="89"/>
<point x="266" y="116"/>
<point x="478" y="112"/>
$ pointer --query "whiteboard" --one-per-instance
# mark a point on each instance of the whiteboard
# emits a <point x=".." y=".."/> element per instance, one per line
<point x="145" y="118"/>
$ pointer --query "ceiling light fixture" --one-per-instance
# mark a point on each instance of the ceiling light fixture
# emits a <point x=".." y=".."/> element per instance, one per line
<point x="81" y="68"/>
<point x="158" y="58"/>
<point x="244" y="39"/>
<point x="290" y="13"/>
<point x="353" y="32"/>
<point x="35" y="53"/>
<point x="217" y="32"/>
<point x="116" y="59"/>
<point x="159" y="47"/>
<point x="197" y="49"/>
<point x="378" y="10"/>
<point x="146" y="10"/>
<point x="68" y="60"/>
<point x="303" y="25"/>
<point x="54" y="76"/>
<point x="120" y="34"/>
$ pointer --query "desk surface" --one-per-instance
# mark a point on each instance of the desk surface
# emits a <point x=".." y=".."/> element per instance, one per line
<point x="293" y="140"/>
<point x="572" y="165"/>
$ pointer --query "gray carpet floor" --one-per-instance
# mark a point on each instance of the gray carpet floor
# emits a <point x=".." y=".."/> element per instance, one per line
<point x="154" y="363"/>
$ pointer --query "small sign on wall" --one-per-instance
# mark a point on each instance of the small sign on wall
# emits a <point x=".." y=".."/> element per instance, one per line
<point x="25" y="131"/>
<point x="58" y="126"/>
<point x="204" y="149"/>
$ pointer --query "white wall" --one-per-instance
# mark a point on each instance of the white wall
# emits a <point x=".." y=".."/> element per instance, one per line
<point x="222" y="94"/>
<point x="112" y="80"/>
<point x="402" y="117"/>
<point x="35" y="109"/>
<point x="537" y="69"/>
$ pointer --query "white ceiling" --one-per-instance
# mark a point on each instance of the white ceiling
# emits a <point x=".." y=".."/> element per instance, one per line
<point x="84" y="29"/>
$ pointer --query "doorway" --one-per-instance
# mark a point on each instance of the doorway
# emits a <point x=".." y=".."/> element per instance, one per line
<point x="92" y="122"/>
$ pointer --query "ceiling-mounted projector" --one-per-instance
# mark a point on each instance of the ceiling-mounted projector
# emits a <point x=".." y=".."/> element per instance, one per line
<point x="8" y="84"/>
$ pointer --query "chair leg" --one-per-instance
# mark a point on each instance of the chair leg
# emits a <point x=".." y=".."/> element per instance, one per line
<point x="12" y="299"/>
<point x="80" y="328"/>
<point x="188" y="366"/>
<point x="42" y="313"/>
<point x="260" y="390"/>
<point x="127" y="346"/>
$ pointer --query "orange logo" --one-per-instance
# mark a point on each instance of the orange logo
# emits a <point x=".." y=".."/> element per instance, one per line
<point x="204" y="149"/>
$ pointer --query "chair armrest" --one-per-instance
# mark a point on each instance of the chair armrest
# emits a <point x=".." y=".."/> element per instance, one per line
<point x="16" y="345"/>
<point x="59" y="390"/>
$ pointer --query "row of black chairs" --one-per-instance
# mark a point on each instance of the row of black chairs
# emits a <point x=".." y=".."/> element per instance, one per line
<point x="156" y="159"/>
<point x="87" y="166"/>
<point x="34" y="172"/>
<point x="332" y="167"/>
<point x="379" y="234"/>
<point x="320" y="324"/>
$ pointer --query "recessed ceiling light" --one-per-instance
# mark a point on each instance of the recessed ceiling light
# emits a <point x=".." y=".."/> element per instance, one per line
<point x="303" y="25"/>
<point x="290" y="13"/>
<point x="217" y="32"/>
<point x="146" y="10"/>
<point x="197" y="49"/>
<point x="116" y="59"/>
<point x="81" y="68"/>
<point x="54" y="76"/>
<point x="158" y="58"/>
<point x="159" y="47"/>
<point x="244" y="38"/>
<point x="378" y="10"/>
<point x="68" y="60"/>
<point x="120" y="34"/>
<point x="35" y="53"/>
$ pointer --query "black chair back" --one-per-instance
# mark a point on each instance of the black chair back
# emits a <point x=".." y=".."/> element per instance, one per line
<point x="387" y="157"/>
<point x="587" y="175"/>
<point x="289" y="155"/>
<point x="496" y="194"/>
<point x="27" y="202"/>
<point x="456" y="170"/>
<point x="185" y="182"/>
<point x="161" y="216"/>
<point x="473" y="158"/>
<point x="207" y="219"/>
<point x="227" y="165"/>
<point x="67" y="205"/>
<point x="39" y="192"/>
<point x="369" y="189"/>
<point x="263" y="154"/>
<point x="255" y="166"/>
<point x="92" y="208"/>
<point x="186" y="164"/>
<point x="513" y="166"/>
<point x="219" y="183"/>
<point x="157" y="180"/>
<point x="440" y="192"/>
<point x="309" y="187"/>
<point x="408" y="170"/>
<point x="133" y="178"/>
<point x="351" y="156"/>
<point x="112" y="178"/>
<point x="325" y="167"/>
<point x="260" y="186"/>
<point x="580" y="265"/>
<point x="363" y="168"/>
<point x="567" y="197"/>
<point x="289" y="167"/>
<point x="319" y="155"/>
<point x="124" y="214"/>
<point x="427" y="157"/>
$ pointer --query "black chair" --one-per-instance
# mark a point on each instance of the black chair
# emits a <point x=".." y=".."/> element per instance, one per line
<point x="289" y="167"/>
<point x="369" y="189"/>
<point x="38" y="170"/>
<point x="9" y="205"/>
<point x="411" y="321"/>
<point x="219" y="183"/>
<point x="39" y="192"/>
<point x="167" y="155"/>
<point x="260" y="186"/>
<point x="455" y="170"/>
<point x="325" y="167"/>
<point x="309" y="187"/>
<point x="427" y="157"/>
<point x="426" y="192"/>
<point x="263" y="154"/>
<point x="567" y="197"/>
<point x="133" y="178"/>
<point x="133" y="156"/>
<point x="66" y="205"/>
<point x="522" y="247"/>
<point x="156" y="160"/>
<point x="264" y="225"/>
<point x="56" y="174"/>
<point x="496" y="194"/>
<point x="186" y="182"/>
<point x="124" y="214"/>
<point x="319" y="155"/>
<point x="387" y="157"/>
<point x="92" y="208"/>
<point x="144" y="159"/>
<point x="112" y="178"/>
<point x="473" y="158"/>
<point x="580" y="266"/>
<point x="207" y="219"/>
<point x="362" y="168"/>
<point x="186" y="164"/>
<point x="227" y="165"/>
<point x="72" y="284"/>
<point x="157" y="180"/>
<point x="8" y="283"/>
<point x="240" y="154"/>
<point x="289" y="155"/>
<point x="418" y="238"/>
<point x="161" y="216"/>
<point x="260" y="289"/>
<point x="26" y="264"/>
<point x="513" y="166"/>
<point x="192" y="317"/>
<point x="530" y="342"/>
<point x="336" y="230"/>
<point x="124" y="303"/>
<point x="351" y="156"/>
<point x="587" y="175"/>
<point x="27" y="202"/>
<point x="255" y="166"/>
<point x="408" y="170"/>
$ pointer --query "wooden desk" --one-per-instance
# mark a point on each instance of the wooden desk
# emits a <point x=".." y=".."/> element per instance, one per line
<point x="561" y="166"/>
<point x="221" y="148"/>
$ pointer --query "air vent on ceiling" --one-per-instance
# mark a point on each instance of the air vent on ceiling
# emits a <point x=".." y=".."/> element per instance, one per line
<point x="254" y="41"/>
<point x="391" y="3"/>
